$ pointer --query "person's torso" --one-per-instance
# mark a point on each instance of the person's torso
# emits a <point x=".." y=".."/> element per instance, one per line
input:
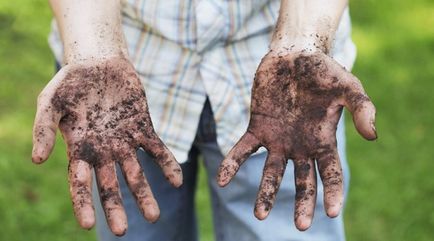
<point x="201" y="24"/>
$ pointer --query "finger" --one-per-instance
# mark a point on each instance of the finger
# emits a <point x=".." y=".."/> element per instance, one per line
<point x="140" y="188"/>
<point x="361" y="107"/>
<point x="305" y="193"/>
<point x="44" y="130"/>
<point x="46" y="120"/>
<point x="273" y="172"/>
<point x="165" y="159"/>
<point x="330" y="171"/>
<point x="247" y="145"/>
<point x="110" y="198"/>
<point x="80" y="187"/>
<point x="363" y="111"/>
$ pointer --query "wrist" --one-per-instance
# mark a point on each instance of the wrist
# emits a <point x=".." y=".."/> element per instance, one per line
<point x="90" y="29"/>
<point x="93" y="42"/>
<point x="79" y="52"/>
<point x="308" y="26"/>
<point x="307" y="42"/>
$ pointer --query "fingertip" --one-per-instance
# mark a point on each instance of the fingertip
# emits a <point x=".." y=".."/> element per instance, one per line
<point x="223" y="179"/>
<point x="173" y="173"/>
<point x="119" y="224"/>
<point x="221" y="182"/>
<point x="261" y="212"/>
<point x="170" y="167"/>
<point x="152" y="214"/>
<point x="176" y="180"/>
<point x="88" y="224"/>
<point x="303" y="223"/>
<point x="38" y="157"/>
<point x="367" y="131"/>
<point x="333" y="210"/>
<point x="119" y="231"/>
<point x="177" y="184"/>
<point x="261" y="215"/>
<point x="333" y="202"/>
<point x="37" y="160"/>
<point x="229" y="167"/>
<point x="226" y="172"/>
<point x="87" y="221"/>
<point x="364" y="120"/>
<point x="42" y="148"/>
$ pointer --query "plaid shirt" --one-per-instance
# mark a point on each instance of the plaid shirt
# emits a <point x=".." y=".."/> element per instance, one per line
<point x="186" y="50"/>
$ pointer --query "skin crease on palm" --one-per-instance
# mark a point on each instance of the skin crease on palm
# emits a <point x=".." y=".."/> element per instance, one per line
<point x="101" y="111"/>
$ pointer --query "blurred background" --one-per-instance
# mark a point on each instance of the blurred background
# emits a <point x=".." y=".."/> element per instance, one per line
<point x="392" y="181"/>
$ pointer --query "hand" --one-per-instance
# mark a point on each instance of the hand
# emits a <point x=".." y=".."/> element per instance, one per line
<point x="297" y="101"/>
<point x="100" y="108"/>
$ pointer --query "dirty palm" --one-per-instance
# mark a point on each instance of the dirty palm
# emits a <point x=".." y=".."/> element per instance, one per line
<point x="101" y="110"/>
<point x="297" y="100"/>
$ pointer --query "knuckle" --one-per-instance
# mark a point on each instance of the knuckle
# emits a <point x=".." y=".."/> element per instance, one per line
<point x="333" y="180"/>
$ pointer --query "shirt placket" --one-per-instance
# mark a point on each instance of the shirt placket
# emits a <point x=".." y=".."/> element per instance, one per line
<point x="210" y="23"/>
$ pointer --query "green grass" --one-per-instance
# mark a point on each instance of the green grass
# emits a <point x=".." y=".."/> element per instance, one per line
<point x="392" y="185"/>
<point x="392" y="188"/>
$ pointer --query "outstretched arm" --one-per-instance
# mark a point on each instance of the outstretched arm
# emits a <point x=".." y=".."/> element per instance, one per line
<point x="98" y="103"/>
<point x="297" y="99"/>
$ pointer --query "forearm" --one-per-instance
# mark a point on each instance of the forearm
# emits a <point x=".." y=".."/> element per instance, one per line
<point x="90" y="29"/>
<point x="307" y="25"/>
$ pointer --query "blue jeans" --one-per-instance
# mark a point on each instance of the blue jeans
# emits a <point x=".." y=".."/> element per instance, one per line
<point x="232" y="206"/>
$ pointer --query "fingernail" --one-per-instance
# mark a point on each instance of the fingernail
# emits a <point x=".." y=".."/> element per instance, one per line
<point x="374" y="129"/>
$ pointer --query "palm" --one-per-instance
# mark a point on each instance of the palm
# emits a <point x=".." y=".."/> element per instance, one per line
<point x="100" y="108"/>
<point x="297" y="100"/>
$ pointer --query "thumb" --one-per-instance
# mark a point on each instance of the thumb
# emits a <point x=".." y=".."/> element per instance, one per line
<point x="46" y="122"/>
<point x="361" y="108"/>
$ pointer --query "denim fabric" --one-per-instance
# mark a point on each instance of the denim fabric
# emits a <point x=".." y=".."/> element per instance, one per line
<point x="232" y="206"/>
